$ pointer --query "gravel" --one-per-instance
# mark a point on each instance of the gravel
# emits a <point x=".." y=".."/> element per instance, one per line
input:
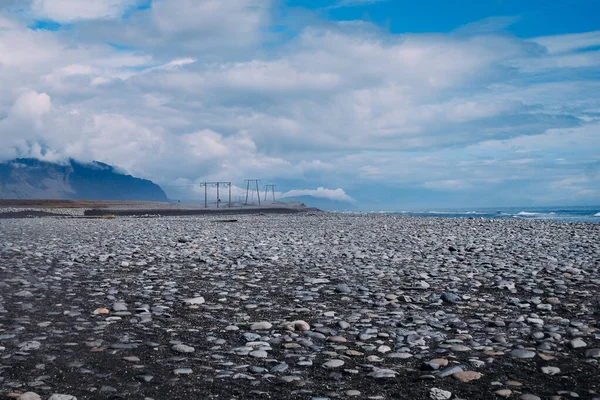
<point x="301" y="306"/>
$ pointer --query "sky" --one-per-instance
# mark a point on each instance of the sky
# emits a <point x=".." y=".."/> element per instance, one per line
<point x="383" y="104"/>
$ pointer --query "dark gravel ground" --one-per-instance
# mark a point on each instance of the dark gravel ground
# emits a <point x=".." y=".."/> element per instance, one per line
<point x="260" y="269"/>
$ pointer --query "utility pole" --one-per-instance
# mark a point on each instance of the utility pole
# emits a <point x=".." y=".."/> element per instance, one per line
<point x="218" y="186"/>
<point x="248" y="182"/>
<point x="272" y="187"/>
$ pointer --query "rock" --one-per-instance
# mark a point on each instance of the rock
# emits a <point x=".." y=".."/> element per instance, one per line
<point x="450" y="298"/>
<point x="439" y="394"/>
<point x="119" y="307"/>
<point x="529" y="397"/>
<point x="551" y="370"/>
<point x="182" y="371"/>
<point x="182" y="348"/>
<point x="261" y="326"/>
<point x="29" y="396"/>
<point x="337" y="339"/>
<point x="195" y="300"/>
<point x="298" y="325"/>
<point x="503" y="393"/>
<point x="62" y="397"/>
<point x="450" y="371"/>
<point x="466" y="376"/>
<point x="383" y="373"/>
<point x="520" y="353"/>
<point x="101" y="311"/>
<point x="577" y="343"/>
<point x="352" y="393"/>
<point x="592" y="353"/>
<point x="333" y="364"/>
<point x="131" y="358"/>
<point x="30" y="345"/>
<point x="259" y="354"/>
<point x="344" y="289"/>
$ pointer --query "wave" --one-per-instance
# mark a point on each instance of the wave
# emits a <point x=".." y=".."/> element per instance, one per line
<point x="597" y="214"/>
<point x="533" y="214"/>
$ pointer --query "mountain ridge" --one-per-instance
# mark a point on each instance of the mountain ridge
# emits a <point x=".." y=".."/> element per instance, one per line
<point x="30" y="178"/>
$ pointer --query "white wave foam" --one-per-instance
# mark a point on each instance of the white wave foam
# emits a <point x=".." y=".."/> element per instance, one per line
<point x="528" y="214"/>
<point x="597" y="214"/>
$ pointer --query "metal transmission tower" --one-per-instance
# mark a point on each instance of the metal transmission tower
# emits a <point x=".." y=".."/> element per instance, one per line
<point x="218" y="186"/>
<point x="272" y="187"/>
<point x="248" y="182"/>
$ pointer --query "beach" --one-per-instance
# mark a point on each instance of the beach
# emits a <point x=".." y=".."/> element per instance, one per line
<point x="302" y="305"/>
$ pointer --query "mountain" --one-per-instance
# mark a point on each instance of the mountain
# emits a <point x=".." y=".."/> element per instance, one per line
<point x="321" y="203"/>
<point x="29" y="178"/>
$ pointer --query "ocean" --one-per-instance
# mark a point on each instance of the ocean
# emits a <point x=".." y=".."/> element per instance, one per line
<point x="565" y="214"/>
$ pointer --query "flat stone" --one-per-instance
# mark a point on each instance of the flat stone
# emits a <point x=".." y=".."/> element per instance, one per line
<point x="333" y="364"/>
<point x="29" y="396"/>
<point x="182" y="348"/>
<point x="551" y="370"/>
<point x="259" y="354"/>
<point x="520" y="353"/>
<point x="62" y="397"/>
<point x="261" y="326"/>
<point x="466" y="376"/>
<point x="577" y="343"/>
<point x="529" y="397"/>
<point x="182" y="371"/>
<point x="503" y="393"/>
<point x="592" y="353"/>
<point x="383" y="373"/>
<point x="195" y="300"/>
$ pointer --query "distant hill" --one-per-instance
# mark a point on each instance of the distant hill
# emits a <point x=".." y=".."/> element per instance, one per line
<point x="28" y="178"/>
<point x="319" y="202"/>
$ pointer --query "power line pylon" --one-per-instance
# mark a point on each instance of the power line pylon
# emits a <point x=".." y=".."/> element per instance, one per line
<point x="248" y="182"/>
<point x="218" y="185"/>
<point x="272" y="187"/>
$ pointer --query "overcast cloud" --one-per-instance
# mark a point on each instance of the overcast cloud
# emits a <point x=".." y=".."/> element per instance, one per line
<point x="182" y="91"/>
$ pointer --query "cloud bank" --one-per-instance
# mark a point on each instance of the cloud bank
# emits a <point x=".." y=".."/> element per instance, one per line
<point x="206" y="89"/>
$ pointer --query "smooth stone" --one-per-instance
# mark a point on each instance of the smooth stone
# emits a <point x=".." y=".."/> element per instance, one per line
<point x="352" y="393"/>
<point x="261" y="326"/>
<point x="195" y="300"/>
<point x="62" y="397"/>
<point x="460" y="348"/>
<point x="333" y="364"/>
<point x="577" y="343"/>
<point x="466" y="376"/>
<point x="529" y="397"/>
<point x="503" y="393"/>
<point x="520" y="353"/>
<point x="450" y="371"/>
<point x="450" y="298"/>
<point x="259" y="354"/>
<point x="298" y="325"/>
<point x="29" y="396"/>
<point x="592" y="353"/>
<point x="119" y="307"/>
<point x="182" y="348"/>
<point x="182" y="371"/>
<point x="551" y="370"/>
<point x="383" y="373"/>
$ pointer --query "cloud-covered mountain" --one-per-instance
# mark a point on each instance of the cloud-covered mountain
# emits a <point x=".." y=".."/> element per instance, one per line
<point x="28" y="178"/>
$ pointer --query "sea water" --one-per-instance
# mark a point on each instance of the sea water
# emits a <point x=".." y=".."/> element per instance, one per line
<point x="567" y="214"/>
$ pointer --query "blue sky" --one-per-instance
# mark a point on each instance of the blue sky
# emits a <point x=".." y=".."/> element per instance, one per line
<point x="381" y="104"/>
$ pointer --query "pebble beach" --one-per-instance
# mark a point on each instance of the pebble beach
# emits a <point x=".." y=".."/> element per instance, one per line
<point x="308" y="305"/>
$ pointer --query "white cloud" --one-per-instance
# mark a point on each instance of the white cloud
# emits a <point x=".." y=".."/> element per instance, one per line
<point x="205" y="90"/>
<point x="67" y="11"/>
<point x="321" y="192"/>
